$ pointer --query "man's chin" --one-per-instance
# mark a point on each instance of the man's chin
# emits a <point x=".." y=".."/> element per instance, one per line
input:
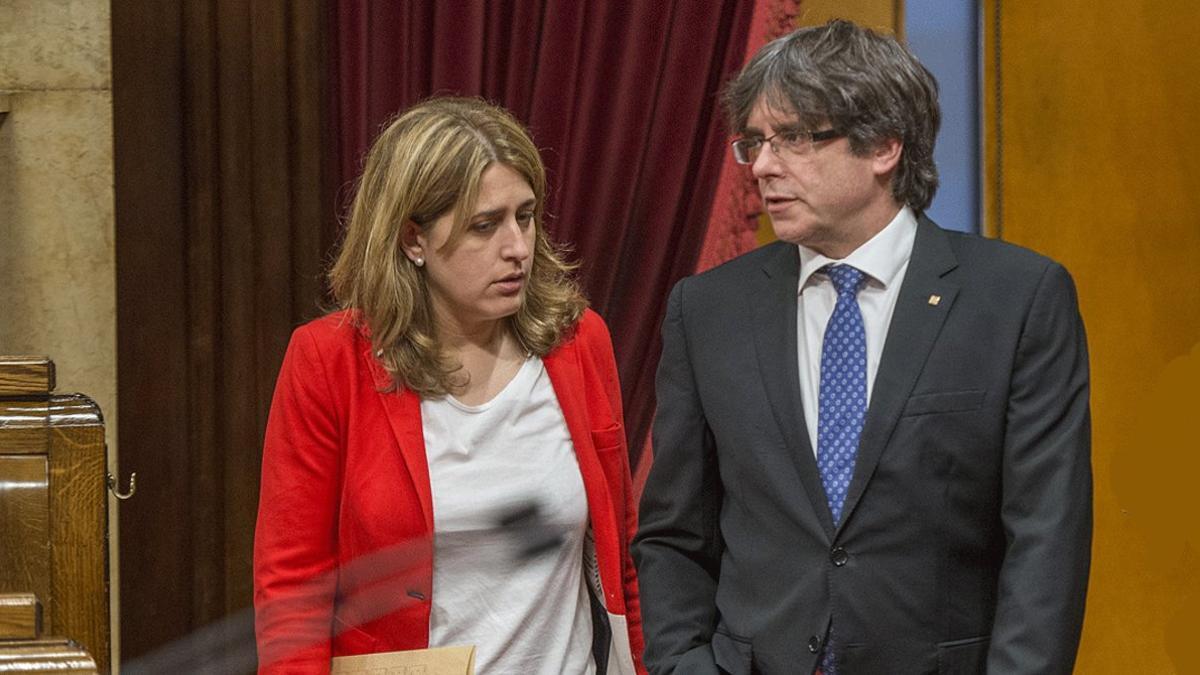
<point x="791" y="231"/>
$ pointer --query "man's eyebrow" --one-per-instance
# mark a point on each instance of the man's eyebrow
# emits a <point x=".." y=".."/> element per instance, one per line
<point x="784" y="126"/>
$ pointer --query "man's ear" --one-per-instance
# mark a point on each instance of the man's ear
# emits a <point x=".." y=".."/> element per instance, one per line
<point x="412" y="240"/>
<point x="886" y="155"/>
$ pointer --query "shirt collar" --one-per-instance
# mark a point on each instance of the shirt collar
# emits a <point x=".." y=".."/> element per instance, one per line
<point x="881" y="257"/>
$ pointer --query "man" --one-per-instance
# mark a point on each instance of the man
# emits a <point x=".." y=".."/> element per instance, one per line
<point x="789" y="526"/>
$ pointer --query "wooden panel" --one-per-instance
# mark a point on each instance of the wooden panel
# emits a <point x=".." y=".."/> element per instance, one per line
<point x="24" y="375"/>
<point x="882" y="15"/>
<point x="992" y="144"/>
<point x="47" y="655"/>
<point x="79" y="525"/>
<point x="1099" y="167"/>
<point x="20" y="616"/>
<point x="25" y="537"/>
<point x="23" y="429"/>
<point x="53" y="543"/>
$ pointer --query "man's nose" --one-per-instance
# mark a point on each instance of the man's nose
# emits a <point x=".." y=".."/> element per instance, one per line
<point x="767" y="163"/>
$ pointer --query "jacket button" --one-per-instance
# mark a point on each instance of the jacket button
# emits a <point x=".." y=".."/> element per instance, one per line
<point x="839" y="556"/>
<point x="814" y="644"/>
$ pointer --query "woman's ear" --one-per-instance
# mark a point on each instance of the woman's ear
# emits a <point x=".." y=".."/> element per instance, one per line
<point x="412" y="242"/>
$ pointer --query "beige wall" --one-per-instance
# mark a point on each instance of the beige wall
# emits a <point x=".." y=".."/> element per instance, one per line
<point x="57" y="283"/>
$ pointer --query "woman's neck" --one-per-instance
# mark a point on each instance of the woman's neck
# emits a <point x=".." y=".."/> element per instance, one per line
<point x="490" y="356"/>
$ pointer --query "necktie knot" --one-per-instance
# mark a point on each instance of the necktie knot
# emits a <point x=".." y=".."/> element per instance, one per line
<point x="846" y="279"/>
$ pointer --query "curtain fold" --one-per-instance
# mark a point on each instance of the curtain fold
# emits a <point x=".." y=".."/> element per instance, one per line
<point x="620" y="97"/>
<point x="734" y="221"/>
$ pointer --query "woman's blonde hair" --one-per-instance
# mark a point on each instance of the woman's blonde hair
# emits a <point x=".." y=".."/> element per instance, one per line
<point x="427" y="162"/>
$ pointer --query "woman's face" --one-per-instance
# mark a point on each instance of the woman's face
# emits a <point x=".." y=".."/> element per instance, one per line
<point x="482" y="276"/>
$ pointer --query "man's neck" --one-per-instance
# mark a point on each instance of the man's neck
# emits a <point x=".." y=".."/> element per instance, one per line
<point x="870" y="223"/>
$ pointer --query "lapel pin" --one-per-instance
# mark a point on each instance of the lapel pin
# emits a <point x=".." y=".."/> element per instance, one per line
<point x="935" y="299"/>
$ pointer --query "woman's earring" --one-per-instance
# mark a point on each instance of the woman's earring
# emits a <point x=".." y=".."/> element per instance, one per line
<point x="419" y="261"/>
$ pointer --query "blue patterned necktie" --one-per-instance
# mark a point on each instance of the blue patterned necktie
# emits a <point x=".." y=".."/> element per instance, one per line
<point x="841" y="403"/>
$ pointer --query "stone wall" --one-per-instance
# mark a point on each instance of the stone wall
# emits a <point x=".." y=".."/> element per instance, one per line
<point x="57" y="255"/>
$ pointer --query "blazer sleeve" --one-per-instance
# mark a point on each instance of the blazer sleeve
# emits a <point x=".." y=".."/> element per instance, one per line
<point x="294" y="541"/>
<point x="1046" y="505"/>
<point x="678" y="548"/>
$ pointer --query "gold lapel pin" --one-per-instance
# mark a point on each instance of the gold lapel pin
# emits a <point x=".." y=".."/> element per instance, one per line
<point x="935" y="299"/>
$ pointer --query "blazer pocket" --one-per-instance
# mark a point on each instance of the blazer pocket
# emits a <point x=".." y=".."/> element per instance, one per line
<point x="944" y="402"/>
<point x="732" y="655"/>
<point x="963" y="657"/>
<point x="608" y="438"/>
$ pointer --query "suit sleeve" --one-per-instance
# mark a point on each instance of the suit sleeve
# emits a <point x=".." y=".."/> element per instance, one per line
<point x="1047" y="489"/>
<point x="294" y="541"/>
<point x="678" y="548"/>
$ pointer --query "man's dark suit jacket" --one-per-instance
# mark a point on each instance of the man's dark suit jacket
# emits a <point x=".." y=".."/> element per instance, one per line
<point x="966" y="534"/>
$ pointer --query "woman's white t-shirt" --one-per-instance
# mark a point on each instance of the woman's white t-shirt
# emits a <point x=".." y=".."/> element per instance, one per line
<point x="515" y="591"/>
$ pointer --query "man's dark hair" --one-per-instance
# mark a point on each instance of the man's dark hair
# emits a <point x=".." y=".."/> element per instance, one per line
<point x="866" y="84"/>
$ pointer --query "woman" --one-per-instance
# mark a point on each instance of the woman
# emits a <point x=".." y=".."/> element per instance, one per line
<point x="445" y="460"/>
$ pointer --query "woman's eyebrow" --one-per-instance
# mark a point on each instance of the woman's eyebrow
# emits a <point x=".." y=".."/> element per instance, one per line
<point x="497" y="212"/>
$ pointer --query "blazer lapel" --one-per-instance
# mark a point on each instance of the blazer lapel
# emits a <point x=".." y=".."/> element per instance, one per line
<point x="570" y="388"/>
<point x="924" y="302"/>
<point x="403" y="408"/>
<point x="773" y="297"/>
<point x="566" y="376"/>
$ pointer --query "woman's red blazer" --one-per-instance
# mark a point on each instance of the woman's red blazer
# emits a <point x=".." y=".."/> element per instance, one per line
<point x="343" y="559"/>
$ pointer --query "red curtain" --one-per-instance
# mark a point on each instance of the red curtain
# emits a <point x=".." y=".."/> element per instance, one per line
<point x="734" y="221"/>
<point x="620" y="96"/>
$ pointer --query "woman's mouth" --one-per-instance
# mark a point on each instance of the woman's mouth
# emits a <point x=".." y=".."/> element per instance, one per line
<point x="511" y="284"/>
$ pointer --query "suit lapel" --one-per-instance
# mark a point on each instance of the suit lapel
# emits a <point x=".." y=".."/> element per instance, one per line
<point x="773" y="297"/>
<point x="921" y="308"/>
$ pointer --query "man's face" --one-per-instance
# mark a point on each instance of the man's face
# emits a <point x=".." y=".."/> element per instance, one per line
<point x="823" y="197"/>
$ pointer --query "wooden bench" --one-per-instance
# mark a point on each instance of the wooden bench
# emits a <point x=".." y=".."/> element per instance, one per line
<point x="23" y="648"/>
<point x="53" y="525"/>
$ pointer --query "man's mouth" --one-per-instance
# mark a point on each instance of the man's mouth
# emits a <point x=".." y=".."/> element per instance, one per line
<point x="777" y="202"/>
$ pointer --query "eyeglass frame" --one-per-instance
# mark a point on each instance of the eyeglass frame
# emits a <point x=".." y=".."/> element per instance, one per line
<point x="812" y="137"/>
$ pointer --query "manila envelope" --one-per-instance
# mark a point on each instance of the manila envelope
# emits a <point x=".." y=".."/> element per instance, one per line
<point x="435" y="661"/>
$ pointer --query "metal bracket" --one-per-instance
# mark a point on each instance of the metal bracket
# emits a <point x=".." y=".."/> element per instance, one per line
<point x="114" y="489"/>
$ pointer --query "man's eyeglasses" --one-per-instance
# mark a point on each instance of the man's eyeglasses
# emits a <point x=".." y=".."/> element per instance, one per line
<point x="790" y="141"/>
